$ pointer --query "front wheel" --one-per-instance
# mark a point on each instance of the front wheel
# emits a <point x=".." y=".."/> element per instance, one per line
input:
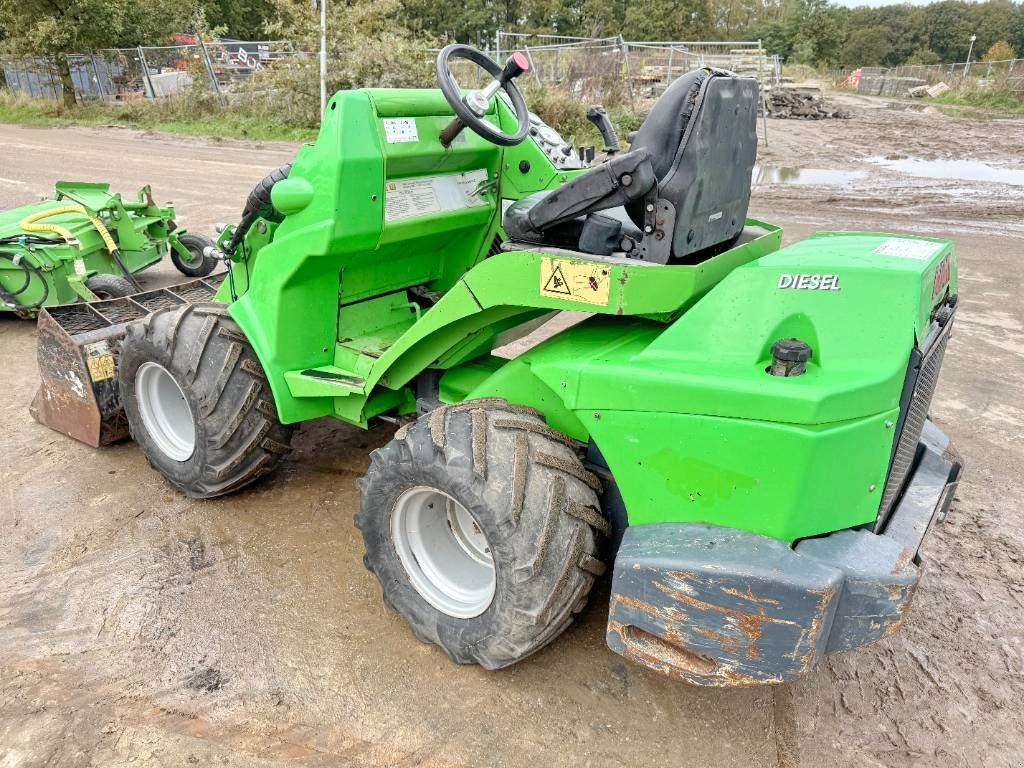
<point x="198" y="402"/>
<point x="482" y="525"/>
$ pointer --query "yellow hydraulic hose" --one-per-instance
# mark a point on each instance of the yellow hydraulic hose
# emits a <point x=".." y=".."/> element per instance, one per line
<point x="29" y="225"/>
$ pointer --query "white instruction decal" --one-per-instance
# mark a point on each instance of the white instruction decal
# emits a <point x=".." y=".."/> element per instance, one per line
<point x="406" y="198"/>
<point x="905" y="248"/>
<point x="400" y="129"/>
<point x="80" y="267"/>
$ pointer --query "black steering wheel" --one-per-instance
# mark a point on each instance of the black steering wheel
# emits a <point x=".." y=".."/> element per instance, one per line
<point x="471" y="107"/>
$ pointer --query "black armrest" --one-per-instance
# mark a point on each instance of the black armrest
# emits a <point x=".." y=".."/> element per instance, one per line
<point x="619" y="181"/>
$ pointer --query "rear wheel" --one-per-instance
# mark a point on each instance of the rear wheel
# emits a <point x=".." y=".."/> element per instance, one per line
<point x="201" y="265"/>
<point x="198" y="402"/>
<point x="482" y="525"/>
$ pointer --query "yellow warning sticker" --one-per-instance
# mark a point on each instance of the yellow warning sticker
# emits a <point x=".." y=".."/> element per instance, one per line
<point x="101" y="367"/>
<point x="574" y="281"/>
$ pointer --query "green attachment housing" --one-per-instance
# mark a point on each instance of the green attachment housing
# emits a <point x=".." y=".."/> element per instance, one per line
<point x="38" y="270"/>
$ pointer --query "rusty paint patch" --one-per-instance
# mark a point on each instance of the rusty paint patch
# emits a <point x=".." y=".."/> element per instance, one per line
<point x="728" y="643"/>
<point x="749" y="596"/>
<point x="906" y="556"/>
<point x="750" y="624"/>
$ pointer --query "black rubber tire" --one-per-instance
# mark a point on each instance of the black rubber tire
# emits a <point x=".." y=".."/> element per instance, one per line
<point x="110" y="286"/>
<point x="524" y="484"/>
<point x="203" y="266"/>
<point x="239" y="437"/>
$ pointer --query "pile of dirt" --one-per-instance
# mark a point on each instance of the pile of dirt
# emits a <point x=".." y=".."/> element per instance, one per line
<point x="802" y="104"/>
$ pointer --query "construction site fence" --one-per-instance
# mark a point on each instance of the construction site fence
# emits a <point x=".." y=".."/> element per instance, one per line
<point x="1007" y="73"/>
<point x="608" y="69"/>
<point x="148" y="72"/>
<point x="612" y="68"/>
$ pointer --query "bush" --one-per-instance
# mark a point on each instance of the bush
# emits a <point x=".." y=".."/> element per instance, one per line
<point x="568" y="115"/>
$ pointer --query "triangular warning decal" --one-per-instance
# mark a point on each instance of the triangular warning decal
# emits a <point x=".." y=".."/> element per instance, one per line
<point x="557" y="283"/>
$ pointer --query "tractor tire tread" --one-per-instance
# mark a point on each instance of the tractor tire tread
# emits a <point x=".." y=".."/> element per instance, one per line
<point x="239" y="437"/>
<point x="528" y="490"/>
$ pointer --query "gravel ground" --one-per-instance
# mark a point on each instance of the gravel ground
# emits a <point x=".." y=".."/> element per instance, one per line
<point x="139" y="627"/>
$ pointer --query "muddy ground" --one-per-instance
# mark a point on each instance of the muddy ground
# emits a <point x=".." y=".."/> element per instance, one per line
<point x="139" y="627"/>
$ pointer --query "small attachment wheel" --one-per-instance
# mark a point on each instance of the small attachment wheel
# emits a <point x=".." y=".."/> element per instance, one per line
<point x="471" y="107"/>
<point x="201" y="265"/>
<point x="109" y="286"/>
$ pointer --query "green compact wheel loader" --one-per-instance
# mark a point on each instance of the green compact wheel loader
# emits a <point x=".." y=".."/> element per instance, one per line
<point x="592" y="368"/>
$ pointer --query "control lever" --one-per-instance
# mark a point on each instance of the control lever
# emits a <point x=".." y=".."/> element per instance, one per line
<point x="598" y="115"/>
<point x="479" y="100"/>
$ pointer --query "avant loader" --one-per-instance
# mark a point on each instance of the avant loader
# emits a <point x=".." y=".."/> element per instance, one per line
<point x="738" y="430"/>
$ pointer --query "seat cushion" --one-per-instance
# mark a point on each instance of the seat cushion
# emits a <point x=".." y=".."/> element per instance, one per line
<point x="601" y="237"/>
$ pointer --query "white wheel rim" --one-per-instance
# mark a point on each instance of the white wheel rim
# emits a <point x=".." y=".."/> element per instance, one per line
<point x="165" y="412"/>
<point x="444" y="552"/>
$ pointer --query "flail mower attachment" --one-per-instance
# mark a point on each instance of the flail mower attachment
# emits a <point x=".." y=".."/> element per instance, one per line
<point x="77" y="355"/>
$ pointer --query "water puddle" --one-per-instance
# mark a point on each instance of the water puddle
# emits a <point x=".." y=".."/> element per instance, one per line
<point x="953" y="170"/>
<point x="818" y="177"/>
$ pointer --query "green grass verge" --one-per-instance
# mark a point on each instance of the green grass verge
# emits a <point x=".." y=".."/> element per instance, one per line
<point x="182" y="117"/>
<point x="997" y="101"/>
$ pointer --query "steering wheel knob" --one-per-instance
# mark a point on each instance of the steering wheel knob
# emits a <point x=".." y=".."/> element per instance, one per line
<point x="517" y="64"/>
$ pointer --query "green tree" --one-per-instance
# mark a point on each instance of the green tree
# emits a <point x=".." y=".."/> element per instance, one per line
<point x="665" y="19"/>
<point x="923" y="56"/>
<point x="56" y="28"/>
<point x="816" y="29"/>
<point x="866" y="47"/>
<point x="240" y="19"/>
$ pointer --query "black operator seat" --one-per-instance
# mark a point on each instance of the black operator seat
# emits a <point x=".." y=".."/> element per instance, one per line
<point x="683" y="187"/>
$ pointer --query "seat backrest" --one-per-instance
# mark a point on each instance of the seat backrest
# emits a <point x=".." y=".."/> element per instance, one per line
<point x="702" y="139"/>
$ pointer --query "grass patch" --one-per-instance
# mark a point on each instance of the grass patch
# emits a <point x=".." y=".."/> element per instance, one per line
<point x="200" y="114"/>
<point x="978" y="101"/>
<point x="189" y="115"/>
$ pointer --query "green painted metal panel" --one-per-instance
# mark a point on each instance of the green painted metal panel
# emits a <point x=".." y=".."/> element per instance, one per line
<point x="779" y="480"/>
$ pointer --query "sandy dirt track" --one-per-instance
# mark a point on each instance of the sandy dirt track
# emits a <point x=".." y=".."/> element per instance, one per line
<point x="141" y="628"/>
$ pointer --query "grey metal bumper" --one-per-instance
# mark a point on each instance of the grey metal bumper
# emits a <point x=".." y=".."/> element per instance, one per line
<point x="718" y="606"/>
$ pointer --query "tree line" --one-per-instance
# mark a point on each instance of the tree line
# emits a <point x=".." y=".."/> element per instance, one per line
<point x="816" y="32"/>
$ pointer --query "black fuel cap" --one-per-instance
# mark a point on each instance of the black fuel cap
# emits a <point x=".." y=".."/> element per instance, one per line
<point x="789" y="357"/>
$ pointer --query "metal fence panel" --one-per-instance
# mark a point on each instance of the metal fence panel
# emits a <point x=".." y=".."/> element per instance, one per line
<point x="606" y="69"/>
<point x="891" y="81"/>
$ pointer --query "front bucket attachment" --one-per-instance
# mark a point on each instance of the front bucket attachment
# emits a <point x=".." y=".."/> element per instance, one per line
<point x="77" y="356"/>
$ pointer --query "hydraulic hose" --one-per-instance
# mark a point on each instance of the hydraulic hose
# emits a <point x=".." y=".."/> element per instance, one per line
<point x="31" y="224"/>
<point x="258" y="204"/>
